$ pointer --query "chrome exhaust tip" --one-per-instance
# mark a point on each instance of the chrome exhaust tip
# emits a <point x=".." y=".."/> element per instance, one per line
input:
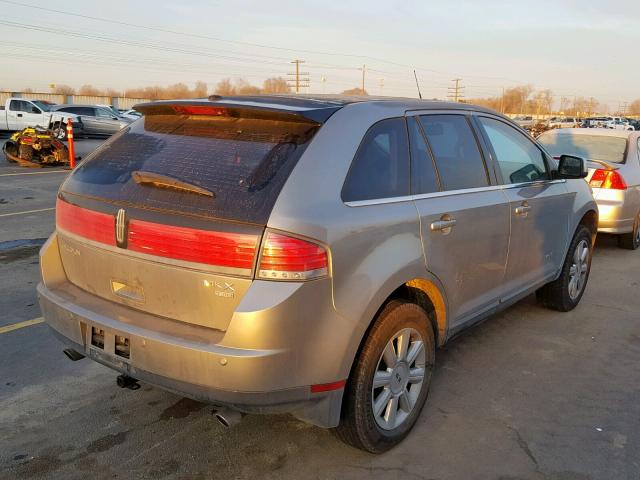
<point x="227" y="417"/>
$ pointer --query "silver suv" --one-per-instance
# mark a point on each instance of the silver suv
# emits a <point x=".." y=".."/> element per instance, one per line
<point x="308" y="255"/>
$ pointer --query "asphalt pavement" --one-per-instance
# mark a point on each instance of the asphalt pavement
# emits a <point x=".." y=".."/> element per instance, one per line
<point x="528" y="394"/>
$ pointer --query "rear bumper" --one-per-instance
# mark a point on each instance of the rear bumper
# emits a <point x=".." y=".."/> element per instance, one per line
<point x="197" y="361"/>
<point x="616" y="213"/>
<point x="190" y="368"/>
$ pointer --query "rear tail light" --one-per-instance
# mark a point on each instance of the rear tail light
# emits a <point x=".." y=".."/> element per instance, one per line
<point x="95" y="226"/>
<point x="199" y="110"/>
<point x="609" y="179"/>
<point x="289" y="258"/>
<point x="222" y="249"/>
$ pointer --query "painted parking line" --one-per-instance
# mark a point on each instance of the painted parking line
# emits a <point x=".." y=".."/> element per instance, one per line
<point x="19" y="325"/>
<point x="28" y="211"/>
<point x="32" y="173"/>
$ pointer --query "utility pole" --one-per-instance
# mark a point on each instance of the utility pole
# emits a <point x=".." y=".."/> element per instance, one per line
<point x="590" y="106"/>
<point x="301" y="79"/>
<point x="323" y="80"/>
<point x="624" y="109"/>
<point x="364" y="69"/>
<point x="455" y="92"/>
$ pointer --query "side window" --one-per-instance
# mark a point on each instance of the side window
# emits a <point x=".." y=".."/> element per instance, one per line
<point x="19" y="106"/>
<point x="101" y="112"/>
<point x="423" y="173"/>
<point x="86" y="111"/>
<point x="519" y="159"/>
<point x="380" y="168"/>
<point x="455" y="151"/>
<point x="31" y="108"/>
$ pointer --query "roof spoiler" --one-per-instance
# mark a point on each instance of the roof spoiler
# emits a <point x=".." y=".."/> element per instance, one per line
<point x="219" y="106"/>
<point x="606" y="165"/>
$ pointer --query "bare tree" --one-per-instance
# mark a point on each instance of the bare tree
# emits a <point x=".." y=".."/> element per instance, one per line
<point x="200" y="90"/>
<point x="64" y="90"/>
<point x="245" y="88"/>
<point x="634" y="108"/>
<point x="275" y="85"/>
<point x="89" y="90"/>
<point x="225" y="87"/>
<point x="354" y="91"/>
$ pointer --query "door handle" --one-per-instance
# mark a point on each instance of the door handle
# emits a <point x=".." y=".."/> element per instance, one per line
<point x="19" y="115"/>
<point x="443" y="225"/>
<point x="522" y="210"/>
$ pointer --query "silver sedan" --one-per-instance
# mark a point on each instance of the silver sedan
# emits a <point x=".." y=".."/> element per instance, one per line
<point x="614" y="175"/>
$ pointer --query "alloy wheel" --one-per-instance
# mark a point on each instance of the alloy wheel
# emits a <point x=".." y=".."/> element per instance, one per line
<point x="398" y="378"/>
<point x="579" y="269"/>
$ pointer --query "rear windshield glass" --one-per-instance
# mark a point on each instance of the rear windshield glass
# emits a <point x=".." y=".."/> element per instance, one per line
<point x="591" y="147"/>
<point x="242" y="162"/>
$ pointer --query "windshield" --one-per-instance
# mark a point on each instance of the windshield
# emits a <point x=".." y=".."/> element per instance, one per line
<point x="42" y="106"/>
<point x="590" y="147"/>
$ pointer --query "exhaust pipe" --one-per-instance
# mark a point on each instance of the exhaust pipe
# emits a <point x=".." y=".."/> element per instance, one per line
<point x="125" y="381"/>
<point x="72" y="354"/>
<point x="227" y="417"/>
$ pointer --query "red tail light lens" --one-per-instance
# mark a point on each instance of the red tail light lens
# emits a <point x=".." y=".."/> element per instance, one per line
<point x="223" y="249"/>
<point x="199" y="110"/>
<point x="95" y="226"/>
<point x="288" y="258"/>
<point x="609" y="179"/>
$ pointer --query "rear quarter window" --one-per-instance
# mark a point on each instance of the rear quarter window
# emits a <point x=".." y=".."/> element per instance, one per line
<point x="243" y="161"/>
<point x="380" y="168"/>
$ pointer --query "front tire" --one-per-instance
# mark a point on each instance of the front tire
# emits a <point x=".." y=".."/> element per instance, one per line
<point x="564" y="293"/>
<point x="390" y="379"/>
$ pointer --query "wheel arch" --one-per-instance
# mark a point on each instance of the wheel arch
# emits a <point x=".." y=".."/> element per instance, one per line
<point x="424" y="290"/>
<point x="590" y="220"/>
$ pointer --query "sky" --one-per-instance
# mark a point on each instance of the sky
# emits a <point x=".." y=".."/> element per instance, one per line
<point x="575" y="48"/>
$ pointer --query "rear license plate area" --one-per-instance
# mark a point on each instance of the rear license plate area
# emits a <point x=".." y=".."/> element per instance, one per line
<point x="107" y="347"/>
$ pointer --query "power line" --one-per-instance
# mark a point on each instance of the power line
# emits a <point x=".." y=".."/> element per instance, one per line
<point x="218" y="39"/>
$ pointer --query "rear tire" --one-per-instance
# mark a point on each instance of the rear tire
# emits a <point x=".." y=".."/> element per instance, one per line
<point x="564" y="293"/>
<point x="59" y="131"/>
<point x="401" y="335"/>
<point x="631" y="241"/>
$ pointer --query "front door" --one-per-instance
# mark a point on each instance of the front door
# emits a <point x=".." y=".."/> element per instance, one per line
<point x="464" y="216"/>
<point x="539" y="206"/>
<point x="23" y="114"/>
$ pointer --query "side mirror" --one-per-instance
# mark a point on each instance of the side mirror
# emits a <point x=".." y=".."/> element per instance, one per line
<point x="571" y="167"/>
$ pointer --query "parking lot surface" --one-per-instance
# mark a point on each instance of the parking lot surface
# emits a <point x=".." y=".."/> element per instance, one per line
<point x="529" y="394"/>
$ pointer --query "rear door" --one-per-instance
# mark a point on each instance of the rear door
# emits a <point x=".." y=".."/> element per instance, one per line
<point x="167" y="217"/>
<point x="540" y="207"/>
<point x="464" y="215"/>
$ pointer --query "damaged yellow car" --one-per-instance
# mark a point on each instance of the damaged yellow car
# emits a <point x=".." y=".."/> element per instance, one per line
<point x="35" y="147"/>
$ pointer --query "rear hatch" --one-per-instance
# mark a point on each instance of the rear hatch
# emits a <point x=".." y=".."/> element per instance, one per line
<point x="168" y="215"/>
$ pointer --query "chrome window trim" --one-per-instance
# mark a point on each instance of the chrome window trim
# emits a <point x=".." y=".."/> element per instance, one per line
<point x="424" y="196"/>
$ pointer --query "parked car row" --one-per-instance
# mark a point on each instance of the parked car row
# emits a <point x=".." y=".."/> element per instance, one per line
<point x="88" y="120"/>
<point x="308" y="255"/>
<point x="616" y="123"/>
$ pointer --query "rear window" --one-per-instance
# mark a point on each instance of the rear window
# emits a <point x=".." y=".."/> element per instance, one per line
<point x="590" y="147"/>
<point x="244" y="162"/>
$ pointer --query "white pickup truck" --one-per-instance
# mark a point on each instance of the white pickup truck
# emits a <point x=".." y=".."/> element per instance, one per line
<point x="19" y="113"/>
